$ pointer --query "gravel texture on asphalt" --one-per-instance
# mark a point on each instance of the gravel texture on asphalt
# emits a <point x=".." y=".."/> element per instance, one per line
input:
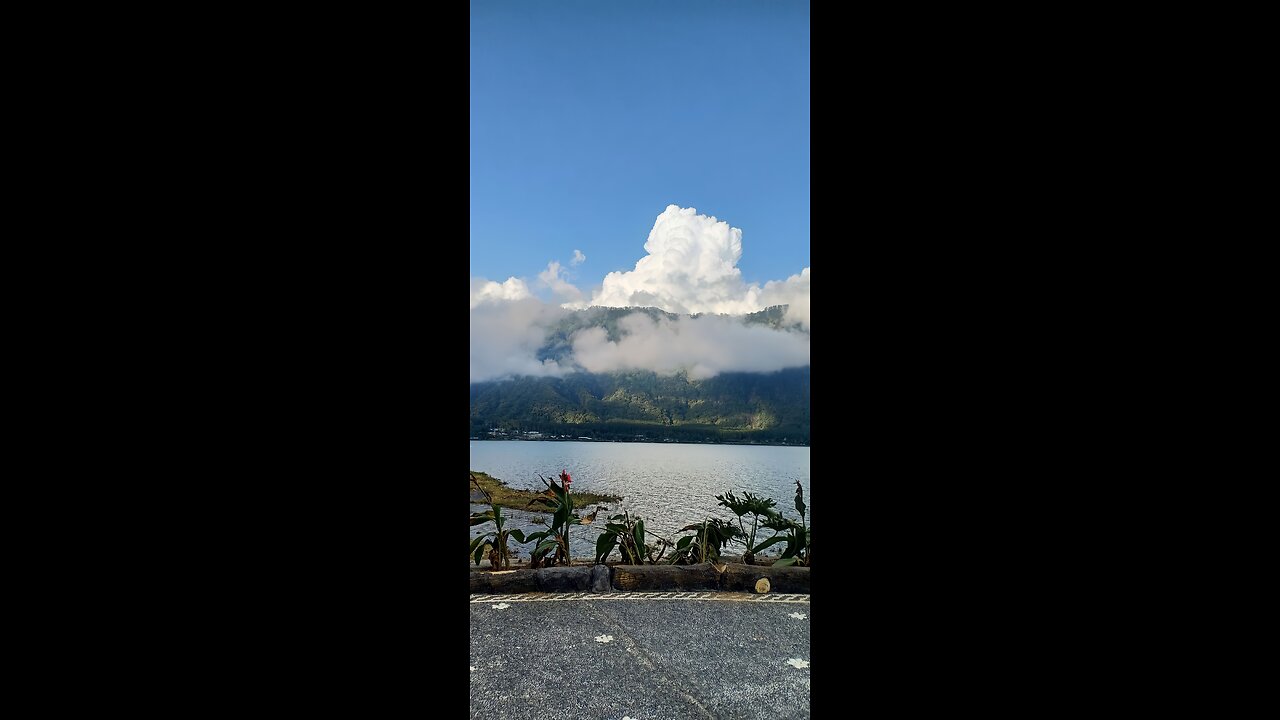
<point x="661" y="661"/>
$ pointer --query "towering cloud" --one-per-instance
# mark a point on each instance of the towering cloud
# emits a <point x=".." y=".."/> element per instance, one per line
<point x="691" y="268"/>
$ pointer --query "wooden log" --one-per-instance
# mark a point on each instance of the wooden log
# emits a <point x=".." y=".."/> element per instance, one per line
<point x="743" y="578"/>
<point x="665" y="578"/>
<point x="504" y="581"/>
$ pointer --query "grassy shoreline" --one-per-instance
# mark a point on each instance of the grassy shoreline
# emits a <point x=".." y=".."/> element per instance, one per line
<point x="519" y="499"/>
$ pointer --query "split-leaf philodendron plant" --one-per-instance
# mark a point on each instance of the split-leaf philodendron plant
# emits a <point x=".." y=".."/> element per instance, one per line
<point x="627" y="534"/>
<point x="795" y="535"/>
<point x="757" y="507"/>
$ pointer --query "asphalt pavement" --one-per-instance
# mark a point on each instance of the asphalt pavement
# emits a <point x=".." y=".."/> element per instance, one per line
<point x="639" y="656"/>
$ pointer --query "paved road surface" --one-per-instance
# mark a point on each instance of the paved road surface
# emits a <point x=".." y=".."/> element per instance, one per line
<point x="639" y="656"/>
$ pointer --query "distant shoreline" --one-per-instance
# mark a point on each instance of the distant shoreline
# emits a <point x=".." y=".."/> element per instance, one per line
<point x="519" y="499"/>
<point x="649" y="441"/>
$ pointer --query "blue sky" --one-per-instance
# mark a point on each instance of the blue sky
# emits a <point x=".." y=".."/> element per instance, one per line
<point x="589" y="118"/>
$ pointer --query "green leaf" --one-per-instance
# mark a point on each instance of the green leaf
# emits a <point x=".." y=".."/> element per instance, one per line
<point x="639" y="534"/>
<point x="684" y="542"/>
<point x="480" y="518"/>
<point x="497" y="513"/>
<point x="784" y="562"/>
<point x="771" y="541"/>
<point x="604" y="545"/>
<point x="531" y="537"/>
<point x="799" y="499"/>
<point x="518" y="535"/>
<point x="546" y="546"/>
<point x="727" y="532"/>
<point x="477" y="541"/>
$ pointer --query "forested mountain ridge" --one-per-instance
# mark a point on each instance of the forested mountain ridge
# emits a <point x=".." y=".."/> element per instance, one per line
<point x="730" y="407"/>
<point x="768" y="407"/>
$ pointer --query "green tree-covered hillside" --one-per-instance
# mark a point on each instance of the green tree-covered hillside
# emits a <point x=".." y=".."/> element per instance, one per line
<point x="730" y="407"/>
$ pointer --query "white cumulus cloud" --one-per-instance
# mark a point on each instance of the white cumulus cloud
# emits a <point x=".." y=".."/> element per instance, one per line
<point x="692" y="267"/>
<point x="562" y="289"/>
<point x="489" y="291"/>
<point x="793" y="292"/>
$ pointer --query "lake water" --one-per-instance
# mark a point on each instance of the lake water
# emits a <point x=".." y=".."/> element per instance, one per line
<point x="670" y="485"/>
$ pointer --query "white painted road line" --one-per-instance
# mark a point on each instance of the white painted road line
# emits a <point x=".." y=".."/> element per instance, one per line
<point x="721" y="597"/>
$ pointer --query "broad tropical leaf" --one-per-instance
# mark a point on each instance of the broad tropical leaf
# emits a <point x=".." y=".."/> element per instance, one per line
<point x="605" y="545"/>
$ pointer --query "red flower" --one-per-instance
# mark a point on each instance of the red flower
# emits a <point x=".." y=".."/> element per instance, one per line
<point x="565" y="478"/>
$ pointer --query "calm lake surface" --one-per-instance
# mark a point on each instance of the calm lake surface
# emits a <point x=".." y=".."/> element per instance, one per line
<point x="670" y="485"/>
